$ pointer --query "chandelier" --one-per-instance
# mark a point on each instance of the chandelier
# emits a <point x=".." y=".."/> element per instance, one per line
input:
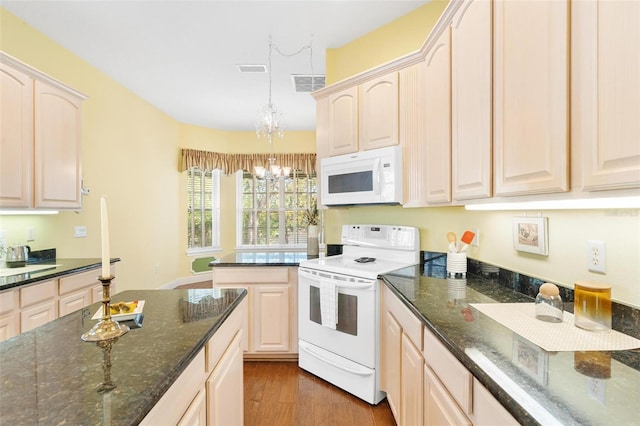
<point x="269" y="124"/>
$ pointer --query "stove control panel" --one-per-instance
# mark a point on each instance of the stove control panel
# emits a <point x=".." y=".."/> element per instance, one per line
<point x="382" y="236"/>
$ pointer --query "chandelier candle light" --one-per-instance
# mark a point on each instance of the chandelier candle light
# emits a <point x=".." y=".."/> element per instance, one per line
<point x="107" y="328"/>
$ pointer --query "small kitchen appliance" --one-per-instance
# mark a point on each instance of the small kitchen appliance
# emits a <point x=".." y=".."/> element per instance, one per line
<point x="17" y="256"/>
<point x="338" y="306"/>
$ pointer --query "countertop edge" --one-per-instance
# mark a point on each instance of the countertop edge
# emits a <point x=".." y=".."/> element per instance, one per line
<point x="51" y="274"/>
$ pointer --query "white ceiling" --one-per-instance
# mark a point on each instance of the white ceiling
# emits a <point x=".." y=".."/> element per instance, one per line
<point x="181" y="55"/>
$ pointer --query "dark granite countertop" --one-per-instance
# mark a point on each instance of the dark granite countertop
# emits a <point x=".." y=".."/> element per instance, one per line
<point x="608" y="393"/>
<point x="59" y="268"/>
<point x="262" y="258"/>
<point x="50" y="376"/>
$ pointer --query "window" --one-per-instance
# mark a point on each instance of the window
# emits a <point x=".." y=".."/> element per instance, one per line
<point x="203" y="210"/>
<point x="271" y="213"/>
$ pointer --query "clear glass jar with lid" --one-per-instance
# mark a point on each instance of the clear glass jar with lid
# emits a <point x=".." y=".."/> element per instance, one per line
<point x="549" y="305"/>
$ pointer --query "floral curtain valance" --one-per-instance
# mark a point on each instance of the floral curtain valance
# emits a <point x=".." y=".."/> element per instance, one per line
<point x="231" y="163"/>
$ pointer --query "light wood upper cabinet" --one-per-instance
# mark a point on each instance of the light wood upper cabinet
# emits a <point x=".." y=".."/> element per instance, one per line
<point x="412" y="132"/>
<point x="16" y="149"/>
<point x="437" y="173"/>
<point x="471" y="100"/>
<point x="58" y="173"/>
<point x="605" y="84"/>
<point x="40" y="152"/>
<point x="531" y="66"/>
<point x="343" y="122"/>
<point x="378" y="111"/>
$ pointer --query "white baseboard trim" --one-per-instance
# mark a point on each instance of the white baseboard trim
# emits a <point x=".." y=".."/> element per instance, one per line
<point x="196" y="278"/>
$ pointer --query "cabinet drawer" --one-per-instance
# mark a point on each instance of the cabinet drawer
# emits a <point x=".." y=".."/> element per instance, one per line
<point x="79" y="281"/>
<point x="224" y="335"/>
<point x="8" y="301"/>
<point x="453" y="375"/>
<point x="411" y="325"/>
<point x="223" y="276"/>
<point x="38" y="293"/>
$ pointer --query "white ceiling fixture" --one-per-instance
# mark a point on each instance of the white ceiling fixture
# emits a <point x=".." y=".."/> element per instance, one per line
<point x="182" y="56"/>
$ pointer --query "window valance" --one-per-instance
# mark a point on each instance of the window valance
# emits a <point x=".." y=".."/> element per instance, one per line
<point x="231" y="163"/>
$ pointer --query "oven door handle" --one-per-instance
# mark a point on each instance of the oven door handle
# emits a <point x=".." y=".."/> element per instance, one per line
<point x="360" y="372"/>
<point x="361" y="284"/>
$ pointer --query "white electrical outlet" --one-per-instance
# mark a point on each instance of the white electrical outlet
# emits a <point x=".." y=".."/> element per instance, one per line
<point x="31" y="233"/>
<point x="476" y="239"/>
<point x="597" y="256"/>
<point x="80" y="231"/>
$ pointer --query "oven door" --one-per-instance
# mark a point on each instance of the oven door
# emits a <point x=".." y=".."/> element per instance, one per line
<point x="355" y="334"/>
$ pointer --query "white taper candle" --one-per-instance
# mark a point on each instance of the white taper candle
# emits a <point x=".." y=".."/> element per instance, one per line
<point x="104" y="234"/>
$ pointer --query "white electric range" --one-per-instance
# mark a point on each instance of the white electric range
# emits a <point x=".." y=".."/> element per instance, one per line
<point x="338" y="306"/>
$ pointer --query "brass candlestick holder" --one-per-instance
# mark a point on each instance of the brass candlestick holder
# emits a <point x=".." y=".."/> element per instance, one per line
<point x="107" y="328"/>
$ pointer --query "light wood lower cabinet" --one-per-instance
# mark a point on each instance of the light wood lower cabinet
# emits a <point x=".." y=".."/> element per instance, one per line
<point x="9" y="314"/>
<point x="439" y="407"/>
<point x="401" y="363"/>
<point x="424" y="382"/>
<point x="27" y="307"/>
<point x="271" y="319"/>
<point x="210" y="390"/>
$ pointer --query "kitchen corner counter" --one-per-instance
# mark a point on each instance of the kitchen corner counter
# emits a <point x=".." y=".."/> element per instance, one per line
<point x="50" y="376"/>
<point x="535" y="386"/>
<point x="59" y="268"/>
<point x="263" y="258"/>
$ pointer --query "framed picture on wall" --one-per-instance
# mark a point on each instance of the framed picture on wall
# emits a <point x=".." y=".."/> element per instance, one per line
<point x="530" y="235"/>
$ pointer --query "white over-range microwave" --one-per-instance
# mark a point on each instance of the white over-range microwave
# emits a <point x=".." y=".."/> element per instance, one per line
<point x="367" y="177"/>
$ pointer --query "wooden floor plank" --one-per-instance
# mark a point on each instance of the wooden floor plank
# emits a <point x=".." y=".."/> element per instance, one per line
<point x="282" y="394"/>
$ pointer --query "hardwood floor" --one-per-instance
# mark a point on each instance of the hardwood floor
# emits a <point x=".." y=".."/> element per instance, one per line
<point x="281" y="393"/>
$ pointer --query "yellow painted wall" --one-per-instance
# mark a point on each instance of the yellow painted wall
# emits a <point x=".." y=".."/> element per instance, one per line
<point x="396" y="39"/>
<point x="568" y="230"/>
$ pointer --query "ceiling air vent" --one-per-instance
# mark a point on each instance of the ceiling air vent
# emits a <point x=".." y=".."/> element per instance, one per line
<point x="259" y="68"/>
<point x="302" y="83"/>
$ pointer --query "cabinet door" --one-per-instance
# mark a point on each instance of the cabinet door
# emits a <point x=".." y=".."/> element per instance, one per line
<point x="439" y="408"/>
<point x="471" y="81"/>
<point x="487" y="411"/>
<point x="378" y="110"/>
<point x="438" y="120"/>
<point x="391" y="359"/>
<point x="531" y="134"/>
<point x="412" y="133"/>
<point x="196" y="414"/>
<point x="16" y="133"/>
<point x="411" y="410"/>
<point x="343" y="122"/>
<point x="271" y="318"/>
<point x="605" y="37"/>
<point x="37" y="315"/>
<point x="225" y="394"/>
<point x="9" y="326"/>
<point x="57" y="148"/>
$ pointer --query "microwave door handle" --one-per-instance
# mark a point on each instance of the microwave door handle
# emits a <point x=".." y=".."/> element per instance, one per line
<point x="376" y="175"/>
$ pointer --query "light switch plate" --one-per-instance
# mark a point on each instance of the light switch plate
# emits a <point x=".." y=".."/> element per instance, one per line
<point x="80" y="231"/>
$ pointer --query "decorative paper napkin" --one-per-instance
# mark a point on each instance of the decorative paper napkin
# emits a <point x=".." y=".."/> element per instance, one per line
<point x="564" y="336"/>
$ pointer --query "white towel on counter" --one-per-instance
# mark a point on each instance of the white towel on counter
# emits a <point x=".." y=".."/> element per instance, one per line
<point x="328" y="303"/>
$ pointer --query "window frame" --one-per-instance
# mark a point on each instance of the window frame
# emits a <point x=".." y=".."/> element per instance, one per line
<point x="302" y="245"/>
<point x="215" y="214"/>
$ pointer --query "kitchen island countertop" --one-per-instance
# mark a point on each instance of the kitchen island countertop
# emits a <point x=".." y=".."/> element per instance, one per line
<point x="50" y="376"/>
<point x="548" y="388"/>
